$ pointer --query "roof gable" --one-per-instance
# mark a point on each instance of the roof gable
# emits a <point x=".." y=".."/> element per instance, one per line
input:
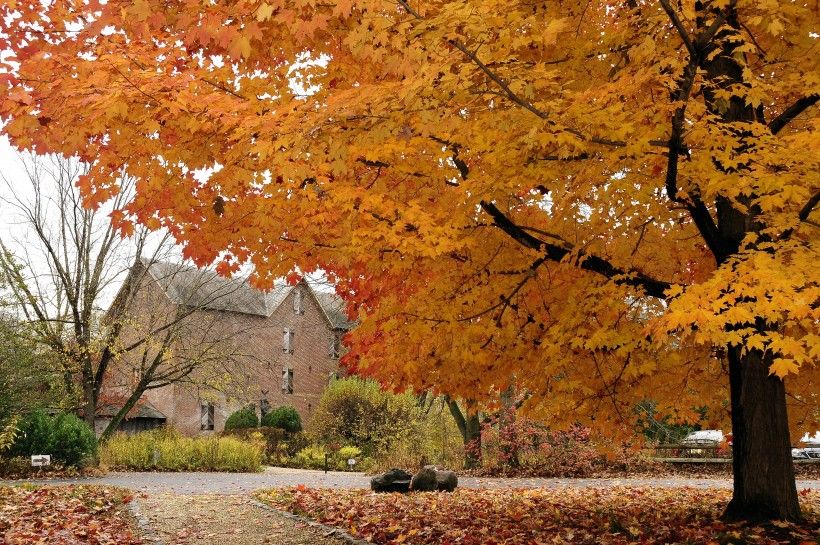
<point x="192" y="287"/>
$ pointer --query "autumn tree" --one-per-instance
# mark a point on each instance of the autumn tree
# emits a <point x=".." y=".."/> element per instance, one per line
<point x="601" y="202"/>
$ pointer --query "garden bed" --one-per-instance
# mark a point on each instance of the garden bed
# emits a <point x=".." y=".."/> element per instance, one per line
<point x="587" y="516"/>
<point x="76" y="515"/>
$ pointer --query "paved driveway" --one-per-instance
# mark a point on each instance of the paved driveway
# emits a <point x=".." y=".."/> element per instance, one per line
<point x="240" y="483"/>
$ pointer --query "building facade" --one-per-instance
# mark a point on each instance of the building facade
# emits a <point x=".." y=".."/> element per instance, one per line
<point x="239" y="346"/>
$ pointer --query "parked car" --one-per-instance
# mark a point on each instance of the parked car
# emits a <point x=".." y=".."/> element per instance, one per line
<point x="812" y="451"/>
<point x="799" y="454"/>
<point x="704" y="444"/>
<point x="703" y="438"/>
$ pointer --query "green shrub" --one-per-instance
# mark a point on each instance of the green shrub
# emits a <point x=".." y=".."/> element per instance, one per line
<point x="311" y="457"/>
<point x="243" y="418"/>
<point x="359" y="413"/>
<point x="285" y="418"/>
<point x="345" y="454"/>
<point x="67" y="438"/>
<point x="34" y="435"/>
<point x="167" y="450"/>
<point x="74" y="441"/>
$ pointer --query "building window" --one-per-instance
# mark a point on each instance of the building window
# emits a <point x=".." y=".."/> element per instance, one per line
<point x="264" y="407"/>
<point x="206" y="417"/>
<point x="297" y="301"/>
<point x="287" y="380"/>
<point x="334" y="347"/>
<point x="287" y="341"/>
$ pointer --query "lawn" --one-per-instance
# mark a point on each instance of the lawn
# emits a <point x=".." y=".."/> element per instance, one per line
<point x="586" y="516"/>
<point x="66" y="515"/>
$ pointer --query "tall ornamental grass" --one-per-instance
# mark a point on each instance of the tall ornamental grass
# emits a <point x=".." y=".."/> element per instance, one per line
<point x="166" y="450"/>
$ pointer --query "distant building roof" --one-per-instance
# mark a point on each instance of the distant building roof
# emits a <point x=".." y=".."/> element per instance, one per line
<point x="193" y="287"/>
<point x="334" y="309"/>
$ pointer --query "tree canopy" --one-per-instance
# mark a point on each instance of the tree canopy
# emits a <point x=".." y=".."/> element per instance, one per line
<point x="599" y="201"/>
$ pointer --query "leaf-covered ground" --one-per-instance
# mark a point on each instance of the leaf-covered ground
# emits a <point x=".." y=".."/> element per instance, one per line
<point x="585" y="516"/>
<point x="67" y="515"/>
<point x="208" y="519"/>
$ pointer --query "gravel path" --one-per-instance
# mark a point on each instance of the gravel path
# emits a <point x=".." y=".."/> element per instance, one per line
<point x="243" y="483"/>
<point x="208" y="519"/>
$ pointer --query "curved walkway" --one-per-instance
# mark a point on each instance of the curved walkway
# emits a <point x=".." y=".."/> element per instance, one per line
<point x="243" y="483"/>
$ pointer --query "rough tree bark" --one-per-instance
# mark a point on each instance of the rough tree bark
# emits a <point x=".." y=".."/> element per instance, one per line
<point x="764" y="486"/>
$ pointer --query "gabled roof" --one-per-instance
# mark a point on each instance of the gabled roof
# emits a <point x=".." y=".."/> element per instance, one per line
<point x="199" y="288"/>
<point x="192" y="287"/>
<point x="334" y="308"/>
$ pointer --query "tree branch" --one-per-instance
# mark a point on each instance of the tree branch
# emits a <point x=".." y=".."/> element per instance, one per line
<point x="687" y="41"/>
<point x="588" y="262"/>
<point x="778" y="123"/>
<point x="806" y="210"/>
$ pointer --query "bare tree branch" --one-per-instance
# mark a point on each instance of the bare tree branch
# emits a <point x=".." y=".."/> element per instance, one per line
<point x="809" y="206"/>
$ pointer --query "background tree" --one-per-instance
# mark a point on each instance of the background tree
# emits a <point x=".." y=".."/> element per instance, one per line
<point x="604" y="200"/>
<point x="469" y="426"/>
<point x="29" y="377"/>
<point x="63" y="272"/>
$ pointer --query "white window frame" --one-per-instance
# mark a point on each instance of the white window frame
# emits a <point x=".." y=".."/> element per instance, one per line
<point x="287" y="380"/>
<point x="334" y="349"/>
<point x="207" y="417"/>
<point x="287" y="340"/>
<point x="297" y="301"/>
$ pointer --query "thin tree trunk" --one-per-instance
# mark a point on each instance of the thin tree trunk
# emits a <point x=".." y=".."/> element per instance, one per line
<point x="129" y="404"/>
<point x="764" y="486"/>
<point x="506" y="427"/>
<point x="89" y="400"/>
<point x="470" y="428"/>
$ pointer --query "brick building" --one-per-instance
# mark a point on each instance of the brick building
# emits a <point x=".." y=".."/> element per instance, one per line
<point x="264" y="349"/>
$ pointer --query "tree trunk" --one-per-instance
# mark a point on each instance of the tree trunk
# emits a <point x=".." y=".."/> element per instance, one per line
<point x="470" y="428"/>
<point x="507" y="431"/>
<point x="120" y="416"/>
<point x="764" y="486"/>
<point x="89" y="400"/>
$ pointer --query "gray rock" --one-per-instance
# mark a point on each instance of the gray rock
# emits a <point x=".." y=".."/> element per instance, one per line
<point x="424" y="480"/>
<point x="395" y="480"/>
<point x="447" y="481"/>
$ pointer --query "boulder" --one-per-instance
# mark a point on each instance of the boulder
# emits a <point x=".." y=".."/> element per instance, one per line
<point x="425" y="480"/>
<point x="447" y="481"/>
<point x="395" y="480"/>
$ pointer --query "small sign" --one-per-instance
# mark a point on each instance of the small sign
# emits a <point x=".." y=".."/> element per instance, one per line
<point x="39" y="460"/>
<point x="351" y="462"/>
